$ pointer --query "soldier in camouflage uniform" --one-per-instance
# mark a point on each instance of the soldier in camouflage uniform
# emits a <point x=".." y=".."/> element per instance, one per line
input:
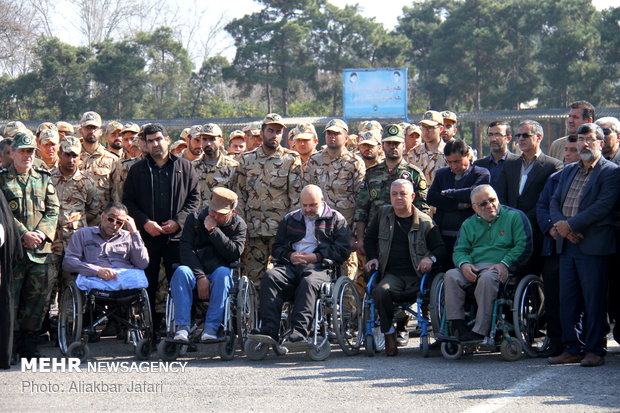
<point x="375" y="188"/>
<point x="428" y="156"/>
<point x="236" y="144"/>
<point x="214" y="168"/>
<point x="268" y="183"/>
<point x="339" y="174"/>
<point x="31" y="196"/>
<point x="79" y="204"/>
<point x="121" y="169"/>
<point x="305" y="140"/>
<point x="370" y="148"/>
<point x="96" y="162"/>
<point x="48" y="142"/>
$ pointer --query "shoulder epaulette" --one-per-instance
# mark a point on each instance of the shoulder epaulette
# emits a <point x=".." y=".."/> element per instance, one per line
<point x="42" y="170"/>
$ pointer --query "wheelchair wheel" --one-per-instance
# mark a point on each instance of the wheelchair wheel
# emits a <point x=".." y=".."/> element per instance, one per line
<point x="321" y="353"/>
<point x="143" y="349"/>
<point x="70" y="318"/>
<point x="511" y="350"/>
<point x="369" y="345"/>
<point x="168" y="351"/>
<point x="437" y="303"/>
<point x="255" y="350"/>
<point x="226" y="348"/>
<point x="79" y="350"/>
<point x="425" y="346"/>
<point x="246" y="311"/>
<point x="451" y="350"/>
<point x="348" y="321"/>
<point x="529" y="316"/>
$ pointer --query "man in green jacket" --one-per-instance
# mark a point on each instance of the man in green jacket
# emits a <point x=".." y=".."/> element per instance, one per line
<point x="490" y="245"/>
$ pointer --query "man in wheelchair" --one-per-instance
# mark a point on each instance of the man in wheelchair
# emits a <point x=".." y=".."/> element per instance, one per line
<point x="212" y="239"/>
<point x="490" y="244"/>
<point x="305" y="238"/>
<point x="403" y="243"/>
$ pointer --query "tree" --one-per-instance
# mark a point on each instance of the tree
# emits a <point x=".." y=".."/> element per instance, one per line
<point x="608" y="87"/>
<point x="206" y="85"/>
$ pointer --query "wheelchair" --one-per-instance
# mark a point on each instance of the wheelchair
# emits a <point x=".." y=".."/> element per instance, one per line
<point x="129" y="308"/>
<point x="371" y="322"/>
<point x="337" y="318"/>
<point x="240" y="315"/>
<point x="518" y="322"/>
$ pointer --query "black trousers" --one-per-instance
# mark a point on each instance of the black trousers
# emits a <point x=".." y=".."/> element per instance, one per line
<point x="384" y="292"/>
<point x="291" y="282"/>
<point x="160" y="249"/>
<point x="551" y="286"/>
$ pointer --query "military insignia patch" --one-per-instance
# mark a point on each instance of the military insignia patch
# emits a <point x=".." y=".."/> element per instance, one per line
<point x="51" y="189"/>
<point x="13" y="205"/>
<point x="422" y="185"/>
<point x="405" y="175"/>
<point x="373" y="193"/>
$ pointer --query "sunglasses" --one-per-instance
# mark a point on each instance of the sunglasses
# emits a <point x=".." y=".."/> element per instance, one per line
<point x="606" y="131"/>
<point x="524" y="135"/>
<point x="115" y="221"/>
<point x="485" y="203"/>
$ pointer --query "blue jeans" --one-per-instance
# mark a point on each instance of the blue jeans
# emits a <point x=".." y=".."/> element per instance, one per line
<point x="182" y="286"/>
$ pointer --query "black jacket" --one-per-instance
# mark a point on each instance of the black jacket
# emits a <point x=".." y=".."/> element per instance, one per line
<point x="202" y="251"/>
<point x="330" y="230"/>
<point x="138" y="193"/>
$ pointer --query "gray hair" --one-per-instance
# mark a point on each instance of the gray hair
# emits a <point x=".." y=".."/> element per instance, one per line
<point x="402" y="181"/>
<point x="534" y="126"/>
<point x="614" y="123"/>
<point x="481" y="188"/>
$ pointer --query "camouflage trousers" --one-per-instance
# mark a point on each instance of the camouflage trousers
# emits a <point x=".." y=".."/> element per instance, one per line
<point x="256" y="258"/>
<point x="61" y="281"/>
<point x="31" y="291"/>
<point x="349" y="268"/>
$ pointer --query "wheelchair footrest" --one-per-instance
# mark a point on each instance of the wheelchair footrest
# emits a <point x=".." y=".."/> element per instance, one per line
<point x="262" y="338"/>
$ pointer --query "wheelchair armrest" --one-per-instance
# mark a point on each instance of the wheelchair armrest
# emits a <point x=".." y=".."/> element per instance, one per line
<point x="235" y="264"/>
<point x="328" y="263"/>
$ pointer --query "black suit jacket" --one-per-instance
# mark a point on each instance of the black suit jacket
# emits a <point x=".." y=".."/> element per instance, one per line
<point x="508" y="187"/>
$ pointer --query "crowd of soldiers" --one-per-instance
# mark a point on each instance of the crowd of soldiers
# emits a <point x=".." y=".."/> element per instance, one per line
<point x="78" y="171"/>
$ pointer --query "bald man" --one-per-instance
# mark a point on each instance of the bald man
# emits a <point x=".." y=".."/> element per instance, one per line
<point x="305" y="238"/>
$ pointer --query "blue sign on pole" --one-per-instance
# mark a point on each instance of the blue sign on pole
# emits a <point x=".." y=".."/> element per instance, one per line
<point x="375" y="93"/>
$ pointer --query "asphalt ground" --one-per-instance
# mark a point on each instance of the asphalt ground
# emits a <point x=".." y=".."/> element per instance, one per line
<point x="482" y="382"/>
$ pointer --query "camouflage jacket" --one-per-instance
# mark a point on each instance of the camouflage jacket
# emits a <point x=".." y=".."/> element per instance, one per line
<point x="210" y="176"/>
<point x="34" y="204"/>
<point x="268" y="187"/>
<point x="427" y="161"/>
<point x="339" y="178"/>
<point x="79" y="206"/>
<point x="375" y="189"/>
<point x="119" y="176"/>
<point x="99" y="165"/>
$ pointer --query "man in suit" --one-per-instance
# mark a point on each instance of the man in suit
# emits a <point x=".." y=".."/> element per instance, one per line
<point x="580" y="112"/>
<point x="499" y="133"/>
<point x="583" y="228"/>
<point x="524" y="178"/>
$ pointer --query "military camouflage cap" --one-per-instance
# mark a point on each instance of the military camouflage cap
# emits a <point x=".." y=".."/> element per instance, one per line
<point x="91" y="118"/>
<point x="370" y="137"/>
<point x="337" y="125"/>
<point x="185" y="133"/>
<point x="131" y="127"/>
<point x="194" y="131"/>
<point x="446" y="114"/>
<point x="273" y="118"/>
<point x="252" y="128"/>
<point x="236" y="134"/>
<point x="211" y="129"/>
<point x="24" y="140"/>
<point x="304" y="131"/>
<point x="49" y="135"/>
<point x="71" y="144"/>
<point x="178" y="143"/>
<point x="432" y="118"/>
<point x="370" y="125"/>
<point x="12" y="128"/>
<point x="413" y="128"/>
<point x="44" y="126"/>
<point x="65" y="127"/>
<point x="393" y="133"/>
<point x="113" y="126"/>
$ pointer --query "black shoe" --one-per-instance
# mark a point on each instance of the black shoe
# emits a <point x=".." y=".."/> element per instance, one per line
<point x="266" y="332"/>
<point x="616" y="331"/>
<point x="402" y="338"/>
<point x="459" y="328"/>
<point x="29" y="347"/>
<point x="296" y="337"/>
<point x="471" y="337"/>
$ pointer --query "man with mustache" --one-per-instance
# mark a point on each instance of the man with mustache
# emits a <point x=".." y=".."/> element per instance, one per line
<point x="581" y="210"/>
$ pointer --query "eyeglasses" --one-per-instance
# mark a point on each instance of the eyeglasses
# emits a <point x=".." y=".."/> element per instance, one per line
<point x="485" y="203"/>
<point x="607" y="131"/>
<point x="524" y="135"/>
<point x="115" y="221"/>
<point x="497" y="135"/>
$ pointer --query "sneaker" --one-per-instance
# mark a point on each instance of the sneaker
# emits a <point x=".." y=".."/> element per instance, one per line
<point x="206" y="337"/>
<point x="402" y="338"/>
<point x="296" y="337"/>
<point x="182" y="335"/>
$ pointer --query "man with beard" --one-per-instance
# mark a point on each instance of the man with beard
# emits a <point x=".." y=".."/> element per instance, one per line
<point x="580" y="112"/>
<point x="253" y="138"/>
<point x="160" y="191"/>
<point x="370" y="148"/>
<point x="581" y="210"/>
<point x="449" y="126"/>
<point x="611" y="129"/>
<point x="499" y="133"/>
<point x="193" y="151"/>
<point x="113" y="138"/>
<point x="129" y="134"/>
<point x="214" y="168"/>
<point x="95" y="161"/>
<point x="268" y="183"/>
